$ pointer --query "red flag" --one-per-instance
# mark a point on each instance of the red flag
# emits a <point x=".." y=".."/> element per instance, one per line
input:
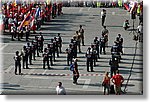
<point x="26" y="21"/>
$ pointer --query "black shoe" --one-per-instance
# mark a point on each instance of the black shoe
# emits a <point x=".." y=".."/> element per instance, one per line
<point x="92" y="71"/>
<point x="28" y="68"/>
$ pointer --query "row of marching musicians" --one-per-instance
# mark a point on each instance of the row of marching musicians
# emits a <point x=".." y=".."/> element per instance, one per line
<point x="93" y="53"/>
<point x="33" y="49"/>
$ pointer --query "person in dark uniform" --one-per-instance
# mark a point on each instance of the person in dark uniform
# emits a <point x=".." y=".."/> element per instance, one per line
<point x="41" y="42"/>
<point x="115" y="51"/>
<point x="102" y="44"/>
<point x="56" y="46"/>
<point x="75" y="43"/>
<point x="114" y="65"/>
<point x="17" y="59"/>
<point x="59" y="39"/>
<point x="53" y="48"/>
<point x="27" y="33"/>
<point x="93" y="49"/>
<point x="81" y="31"/>
<point x="69" y="52"/>
<point x="21" y="34"/>
<point x="120" y="40"/>
<point x="105" y="32"/>
<point x="96" y="42"/>
<point x="89" y="61"/>
<point x="33" y="47"/>
<point x="18" y="33"/>
<point x="50" y="52"/>
<point x="75" y="71"/>
<point x="29" y="50"/>
<point x="103" y="16"/>
<point x="36" y="43"/>
<point x="45" y="58"/>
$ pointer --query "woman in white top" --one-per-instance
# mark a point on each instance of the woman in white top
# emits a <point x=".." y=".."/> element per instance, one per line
<point x="60" y="89"/>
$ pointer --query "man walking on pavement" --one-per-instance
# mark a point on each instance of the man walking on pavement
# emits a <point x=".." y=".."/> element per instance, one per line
<point x="103" y="16"/>
<point x="75" y="71"/>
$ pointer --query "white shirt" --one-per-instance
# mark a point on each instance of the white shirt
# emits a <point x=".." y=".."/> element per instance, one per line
<point x="60" y="90"/>
<point x="140" y="28"/>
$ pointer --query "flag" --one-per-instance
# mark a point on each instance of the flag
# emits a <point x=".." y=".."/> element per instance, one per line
<point x="133" y="6"/>
<point x="15" y="3"/>
<point x="26" y="21"/>
<point x="126" y="7"/>
<point x="32" y="22"/>
<point x="37" y="14"/>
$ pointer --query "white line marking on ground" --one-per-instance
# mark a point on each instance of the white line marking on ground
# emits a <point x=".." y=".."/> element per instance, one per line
<point x="2" y="47"/>
<point x="80" y="9"/>
<point x="44" y="72"/>
<point x="86" y="84"/>
<point x="89" y="8"/>
<point x="9" y="68"/>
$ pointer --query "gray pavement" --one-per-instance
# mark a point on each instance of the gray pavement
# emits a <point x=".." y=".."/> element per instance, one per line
<point x="36" y="80"/>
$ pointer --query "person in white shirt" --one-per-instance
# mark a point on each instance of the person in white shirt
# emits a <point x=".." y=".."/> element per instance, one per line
<point x="60" y="89"/>
<point x="140" y="32"/>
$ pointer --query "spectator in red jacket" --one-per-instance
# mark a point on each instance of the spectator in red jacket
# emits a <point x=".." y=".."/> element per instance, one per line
<point x="117" y="80"/>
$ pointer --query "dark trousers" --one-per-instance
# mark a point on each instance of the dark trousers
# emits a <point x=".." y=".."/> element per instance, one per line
<point x="75" y="53"/>
<point x="54" y="56"/>
<point x="26" y="61"/>
<point x="82" y="39"/>
<point x="102" y="47"/>
<point x="27" y="36"/>
<point x="17" y="64"/>
<point x="75" y="78"/>
<point x="69" y="59"/>
<point x="89" y="63"/>
<point x="41" y="47"/>
<point x="60" y="48"/>
<point x="57" y="52"/>
<point x="33" y="54"/>
<point x="51" y="61"/>
<point x="94" y="59"/>
<point x="79" y="47"/>
<point x="23" y="61"/>
<point x="113" y="71"/>
<point x="30" y="58"/>
<point x="45" y="60"/>
<point x="37" y="51"/>
<point x="97" y="49"/>
<point x="103" y="20"/>
<point x="12" y="36"/>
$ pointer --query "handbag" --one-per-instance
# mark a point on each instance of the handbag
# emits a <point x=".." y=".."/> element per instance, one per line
<point x="103" y="83"/>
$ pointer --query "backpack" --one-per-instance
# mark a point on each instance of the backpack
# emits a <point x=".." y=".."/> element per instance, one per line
<point x="71" y="67"/>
